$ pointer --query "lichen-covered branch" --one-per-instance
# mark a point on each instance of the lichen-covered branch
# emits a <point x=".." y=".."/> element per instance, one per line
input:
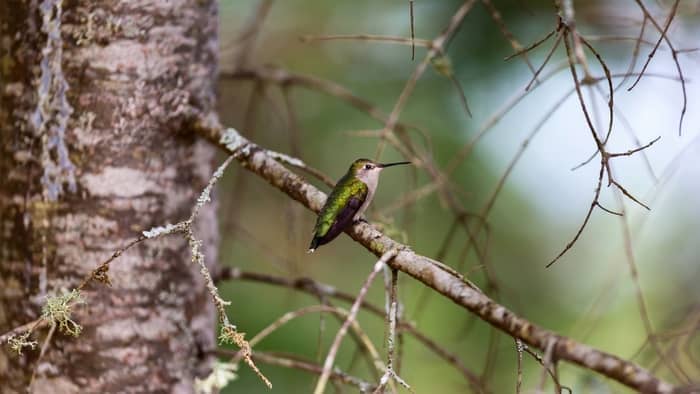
<point x="428" y="271"/>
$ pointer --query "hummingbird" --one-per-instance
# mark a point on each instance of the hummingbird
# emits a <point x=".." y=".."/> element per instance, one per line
<point x="348" y="201"/>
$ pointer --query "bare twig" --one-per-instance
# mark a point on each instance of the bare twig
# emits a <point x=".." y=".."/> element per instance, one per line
<point x="531" y="46"/>
<point x="611" y="91"/>
<point x="633" y="151"/>
<point x="544" y="364"/>
<point x="498" y="19"/>
<point x="436" y="48"/>
<point x="663" y="36"/>
<point x="544" y="63"/>
<point x="413" y="32"/>
<point x="369" y="37"/>
<point x="519" y="381"/>
<point x="635" y="52"/>
<point x="674" y="53"/>
<point x="317" y="289"/>
<point x="249" y="33"/>
<point x="641" y="302"/>
<point x="362" y="338"/>
<point x="100" y="273"/>
<point x="44" y="347"/>
<point x="330" y="358"/>
<point x="489" y="124"/>
<point x="596" y="195"/>
<point x="570" y="32"/>
<point x="287" y="361"/>
<point x="392" y="310"/>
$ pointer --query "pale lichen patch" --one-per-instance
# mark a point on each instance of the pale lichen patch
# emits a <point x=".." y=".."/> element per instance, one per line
<point x="49" y="120"/>
<point x="122" y="56"/>
<point x="84" y="131"/>
<point x="160" y="230"/>
<point x="234" y="141"/>
<point x="131" y="354"/>
<point x="119" y="182"/>
<point x="126" y="330"/>
<point x="221" y="375"/>
<point x="18" y="342"/>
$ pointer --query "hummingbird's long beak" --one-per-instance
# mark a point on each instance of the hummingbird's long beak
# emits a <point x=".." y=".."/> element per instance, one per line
<point x="393" y="164"/>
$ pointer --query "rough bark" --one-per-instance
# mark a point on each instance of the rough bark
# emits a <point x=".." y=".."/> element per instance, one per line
<point x="93" y="97"/>
<point x="430" y="272"/>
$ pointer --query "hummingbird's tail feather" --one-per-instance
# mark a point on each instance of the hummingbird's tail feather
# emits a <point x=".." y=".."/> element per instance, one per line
<point x="314" y="244"/>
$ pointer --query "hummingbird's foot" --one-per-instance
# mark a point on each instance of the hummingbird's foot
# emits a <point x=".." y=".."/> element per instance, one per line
<point x="361" y="219"/>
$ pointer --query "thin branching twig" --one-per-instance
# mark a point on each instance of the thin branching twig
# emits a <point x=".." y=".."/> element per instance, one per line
<point x="333" y="351"/>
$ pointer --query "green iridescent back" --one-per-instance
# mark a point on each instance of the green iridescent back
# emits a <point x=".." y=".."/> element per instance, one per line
<point x="347" y="187"/>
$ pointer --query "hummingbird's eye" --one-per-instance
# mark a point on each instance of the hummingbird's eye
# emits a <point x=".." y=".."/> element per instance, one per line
<point x="368" y="166"/>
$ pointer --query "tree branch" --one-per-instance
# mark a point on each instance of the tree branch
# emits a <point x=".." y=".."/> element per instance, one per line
<point x="430" y="272"/>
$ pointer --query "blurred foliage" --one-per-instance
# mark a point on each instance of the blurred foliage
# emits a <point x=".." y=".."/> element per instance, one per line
<point x="588" y="294"/>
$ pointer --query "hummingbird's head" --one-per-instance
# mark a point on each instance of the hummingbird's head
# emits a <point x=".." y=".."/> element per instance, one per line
<point x="368" y="171"/>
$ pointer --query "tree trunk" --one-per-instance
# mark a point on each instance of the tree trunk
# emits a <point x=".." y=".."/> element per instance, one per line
<point x="94" y="102"/>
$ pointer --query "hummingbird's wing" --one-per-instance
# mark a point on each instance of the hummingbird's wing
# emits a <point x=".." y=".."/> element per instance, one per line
<point x="338" y="212"/>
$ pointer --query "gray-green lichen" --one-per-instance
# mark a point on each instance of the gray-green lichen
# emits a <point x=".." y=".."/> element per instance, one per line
<point x="50" y="118"/>
<point x="19" y="342"/>
<point x="233" y="140"/>
<point x="162" y="230"/>
<point x="57" y="310"/>
<point x="221" y="375"/>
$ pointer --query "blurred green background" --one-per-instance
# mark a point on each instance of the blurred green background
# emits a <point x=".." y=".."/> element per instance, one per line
<point x="589" y="294"/>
